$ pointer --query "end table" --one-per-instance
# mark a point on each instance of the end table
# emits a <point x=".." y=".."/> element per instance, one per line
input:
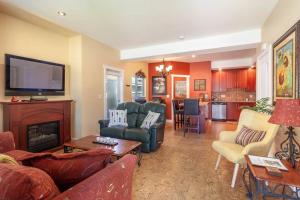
<point x="260" y="183"/>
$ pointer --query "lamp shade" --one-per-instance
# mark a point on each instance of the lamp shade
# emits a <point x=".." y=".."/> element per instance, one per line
<point x="286" y="112"/>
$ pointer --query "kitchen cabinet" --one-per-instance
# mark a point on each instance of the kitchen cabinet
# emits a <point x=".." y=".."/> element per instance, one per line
<point x="251" y="80"/>
<point x="233" y="109"/>
<point x="222" y="83"/>
<point x="232" y="112"/>
<point x="231" y="79"/>
<point x="241" y="78"/>
<point x="215" y="81"/>
<point x="245" y="78"/>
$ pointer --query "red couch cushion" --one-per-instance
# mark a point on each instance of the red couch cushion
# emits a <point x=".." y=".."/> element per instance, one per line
<point x="7" y="142"/>
<point x="26" y="183"/>
<point x="71" y="168"/>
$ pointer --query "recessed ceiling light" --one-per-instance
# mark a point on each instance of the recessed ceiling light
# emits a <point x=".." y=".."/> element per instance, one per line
<point x="181" y="37"/>
<point x="193" y="56"/>
<point x="61" y="13"/>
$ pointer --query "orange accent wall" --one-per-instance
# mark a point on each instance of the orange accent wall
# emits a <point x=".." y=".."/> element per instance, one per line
<point x="180" y="68"/>
<point x="200" y="70"/>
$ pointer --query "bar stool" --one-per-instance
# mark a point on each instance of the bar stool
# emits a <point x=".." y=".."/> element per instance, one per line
<point x="191" y="112"/>
<point x="178" y="114"/>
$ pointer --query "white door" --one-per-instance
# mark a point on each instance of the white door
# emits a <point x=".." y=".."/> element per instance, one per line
<point x="113" y="89"/>
<point x="264" y="77"/>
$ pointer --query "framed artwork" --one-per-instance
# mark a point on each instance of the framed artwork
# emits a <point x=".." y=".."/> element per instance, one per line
<point x="180" y="89"/>
<point x="200" y="85"/>
<point x="159" y="85"/>
<point x="286" y="65"/>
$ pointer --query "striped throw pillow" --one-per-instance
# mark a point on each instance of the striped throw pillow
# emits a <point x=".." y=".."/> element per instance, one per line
<point x="247" y="136"/>
<point x="117" y="118"/>
<point x="150" y="119"/>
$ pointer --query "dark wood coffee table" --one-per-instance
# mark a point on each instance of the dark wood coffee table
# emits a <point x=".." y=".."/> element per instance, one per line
<point x="122" y="148"/>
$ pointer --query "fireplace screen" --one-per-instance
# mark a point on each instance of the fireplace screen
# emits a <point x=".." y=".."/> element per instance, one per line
<point x="42" y="136"/>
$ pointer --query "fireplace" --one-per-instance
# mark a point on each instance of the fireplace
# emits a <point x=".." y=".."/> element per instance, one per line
<point x="38" y="126"/>
<point x="43" y="136"/>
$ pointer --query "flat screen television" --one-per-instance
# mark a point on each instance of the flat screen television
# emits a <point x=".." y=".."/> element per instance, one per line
<point x="32" y="77"/>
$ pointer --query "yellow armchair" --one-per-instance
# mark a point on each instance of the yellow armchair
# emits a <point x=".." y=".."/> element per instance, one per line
<point x="227" y="148"/>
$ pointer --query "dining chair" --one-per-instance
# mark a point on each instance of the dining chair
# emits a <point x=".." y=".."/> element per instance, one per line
<point x="191" y="112"/>
<point x="177" y="113"/>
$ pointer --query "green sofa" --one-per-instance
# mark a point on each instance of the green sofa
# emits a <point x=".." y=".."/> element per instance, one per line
<point x="151" y="139"/>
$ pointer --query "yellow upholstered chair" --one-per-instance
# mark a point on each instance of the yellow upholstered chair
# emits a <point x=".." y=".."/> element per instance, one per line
<point x="227" y="148"/>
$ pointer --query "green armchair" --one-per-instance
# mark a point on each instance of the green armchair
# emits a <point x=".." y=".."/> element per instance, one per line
<point x="151" y="139"/>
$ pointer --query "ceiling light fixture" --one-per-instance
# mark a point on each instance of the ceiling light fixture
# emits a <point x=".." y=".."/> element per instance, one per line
<point x="61" y="13"/>
<point x="163" y="69"/>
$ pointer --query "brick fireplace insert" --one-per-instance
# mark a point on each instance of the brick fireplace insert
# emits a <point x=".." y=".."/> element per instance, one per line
<point x="38" y="126"/>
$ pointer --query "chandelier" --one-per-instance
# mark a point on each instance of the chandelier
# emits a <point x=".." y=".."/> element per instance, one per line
<point x="163" y="69"/>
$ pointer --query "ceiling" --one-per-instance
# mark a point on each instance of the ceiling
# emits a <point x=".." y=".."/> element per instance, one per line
<point x="126" y="24"/>
<point x="198" y="57"/>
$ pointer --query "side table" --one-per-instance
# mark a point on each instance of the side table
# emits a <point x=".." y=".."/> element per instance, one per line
<point x="260" y="183"/>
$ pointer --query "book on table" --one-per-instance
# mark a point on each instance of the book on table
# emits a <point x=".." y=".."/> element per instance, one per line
<point x="267" y="162"/>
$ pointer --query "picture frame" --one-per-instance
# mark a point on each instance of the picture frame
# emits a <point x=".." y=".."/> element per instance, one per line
<point x="159" y="85"/>
<point x="286" y="65"/>
<point x="200" y="85"/>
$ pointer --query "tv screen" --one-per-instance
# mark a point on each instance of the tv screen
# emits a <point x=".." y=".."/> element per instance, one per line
<point x="30" y="77"/>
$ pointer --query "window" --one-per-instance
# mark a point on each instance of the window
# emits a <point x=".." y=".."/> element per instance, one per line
<point x="137" y="87"/>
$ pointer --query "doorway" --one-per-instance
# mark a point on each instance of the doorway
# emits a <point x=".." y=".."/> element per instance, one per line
<point x="113" y="88"/>
<point x="180" y="87"/>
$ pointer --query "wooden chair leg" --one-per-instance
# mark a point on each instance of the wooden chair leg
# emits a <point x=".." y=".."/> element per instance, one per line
<point x="235" y="172"/>
<point x="174" y="121"/>
<point x="218" y="162"/>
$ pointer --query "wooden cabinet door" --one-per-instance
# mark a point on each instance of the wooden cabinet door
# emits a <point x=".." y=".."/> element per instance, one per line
<point x="232" y="112"/>
<point x="242" y="104"/>
<point x="242" y="75"/>
<point x="223" y="84"/>
<point x="231" y="79"/>
<point x="251" y="80"/>
<point x="215" y="81"/>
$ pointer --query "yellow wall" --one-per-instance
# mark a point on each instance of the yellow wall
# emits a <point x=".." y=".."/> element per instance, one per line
<point x="24" y="39"/>
<point x="285" y="15"/>
<point x="84" y="59"/>
<point x="94" y="56"/>
<point x="130" y="69"/>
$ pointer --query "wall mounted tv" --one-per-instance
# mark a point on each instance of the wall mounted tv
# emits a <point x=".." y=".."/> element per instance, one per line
<point x="32" y="77"/>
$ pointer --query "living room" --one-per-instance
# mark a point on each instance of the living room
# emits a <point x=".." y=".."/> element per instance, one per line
<point x="154" y="67"/>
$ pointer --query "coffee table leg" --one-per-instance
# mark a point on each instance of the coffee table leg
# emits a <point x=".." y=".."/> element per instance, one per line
<point x="139" y="154"/>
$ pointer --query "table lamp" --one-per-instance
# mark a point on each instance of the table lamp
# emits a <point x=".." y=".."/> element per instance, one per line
<point x="287" y="113"/>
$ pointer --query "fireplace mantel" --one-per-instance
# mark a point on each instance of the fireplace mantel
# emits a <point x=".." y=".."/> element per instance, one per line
<point x="18" y="115"/>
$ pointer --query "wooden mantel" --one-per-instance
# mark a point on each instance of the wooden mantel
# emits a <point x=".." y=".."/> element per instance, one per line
<point x="18" y="115"/>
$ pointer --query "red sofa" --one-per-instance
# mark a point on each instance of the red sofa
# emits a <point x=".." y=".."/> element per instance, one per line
<point x="114" y="182"/>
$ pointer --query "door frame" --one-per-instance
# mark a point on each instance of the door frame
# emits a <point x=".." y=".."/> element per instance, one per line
<point x="264" y="75"/>
<point x="121" y="71"/>
<point x="172" y="85"/>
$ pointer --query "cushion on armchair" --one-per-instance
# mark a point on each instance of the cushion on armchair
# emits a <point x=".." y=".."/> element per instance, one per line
<point x="247" y="136"/>
<point x="7" y="142"/>
<point x="137" y="134"/>
<point x="114" y="132"/>
<point x="150" y="119"/>
<point x="117" y="118"/>
<point x="26" y="183"/>
<point x="70" y="168"/>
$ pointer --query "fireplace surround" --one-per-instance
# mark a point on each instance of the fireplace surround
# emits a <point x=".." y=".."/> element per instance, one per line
<point x="23" y="117"/>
